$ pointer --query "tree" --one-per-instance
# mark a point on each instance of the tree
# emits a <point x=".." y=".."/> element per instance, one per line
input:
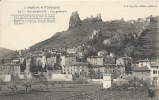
<point x="81" y="80"/>
<point x="43" y="79"/>
<point x="62" y="83"/>
<point x="53" y="83"/>
<point x="0" y="85"/>
<point x="92" y="73"/>
<point x="75" y="76"/>
<point x="23" y="66"/>
<point x="151" y="93"/>
<point x="83" y="72"/>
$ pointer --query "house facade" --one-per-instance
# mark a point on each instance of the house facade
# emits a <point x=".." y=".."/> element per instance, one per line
<point x="109" y="69"/>
<point x="120" y="61"/>
<point x="79" y="68"/>
<point x="103" y="53"/>
<point x="147" y="71"/>
<point x="71" y="50"/>
<point x="154" y="74"/>
<point x="51" y="60"/>
<point x="68" y="59"/>
<point x="10" y="69"/>
<point x="95" y="60"/>
<point x="142" y="73"/>
<point x="109" y="60"/>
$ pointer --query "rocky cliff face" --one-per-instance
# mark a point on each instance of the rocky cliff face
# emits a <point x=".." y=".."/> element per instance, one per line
<point x="74" y="20"/>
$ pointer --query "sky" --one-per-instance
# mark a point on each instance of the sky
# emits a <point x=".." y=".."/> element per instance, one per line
<point x="16" y="37"/>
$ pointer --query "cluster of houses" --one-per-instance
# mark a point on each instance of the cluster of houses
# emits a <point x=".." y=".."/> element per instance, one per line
<point x="147" y="70"/>
<point x="67" y="63"/>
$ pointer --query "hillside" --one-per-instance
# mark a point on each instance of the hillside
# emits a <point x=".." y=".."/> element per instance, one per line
<point x="4" y="51"/>
<point x="79" y="30"/>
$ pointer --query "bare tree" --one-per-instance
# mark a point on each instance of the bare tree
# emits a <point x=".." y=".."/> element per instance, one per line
<point x="13" y="83"/>
<point x="62" y="83"/>
<point x="0" y="85"/>
<point x="27" y="85"/>
<point x="12" y="87"/>
<point x="42" y="79"/>
<point x="53" y="83"/>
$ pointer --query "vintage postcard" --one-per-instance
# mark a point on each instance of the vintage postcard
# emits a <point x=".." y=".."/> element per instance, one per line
<point x="79" y="50"/>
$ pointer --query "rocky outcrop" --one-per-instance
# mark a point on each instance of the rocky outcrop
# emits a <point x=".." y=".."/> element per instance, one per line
<point x="74" y="20"/>
<point x="95" y="35"/>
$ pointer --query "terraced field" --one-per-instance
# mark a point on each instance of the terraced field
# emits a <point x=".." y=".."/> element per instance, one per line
<point x="74" y="92"/>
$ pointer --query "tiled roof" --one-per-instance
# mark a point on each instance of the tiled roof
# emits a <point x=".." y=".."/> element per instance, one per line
<point x="108" y="65"/>
<point x="138" y="69"/>
<point x="70" y="55"/>
<point x="102" y="50"/>
<point x="94" y="57"/>
<point x="10" y="65"/>
<point x="79" y="64"/>
<point x="108" y="56"/>
<point x="121" y="65"/>
<point x="154" y="64"/>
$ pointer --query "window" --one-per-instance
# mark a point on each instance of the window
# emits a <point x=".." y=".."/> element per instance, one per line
<point x="155" y="78"/>
<point x="154" y="71"/>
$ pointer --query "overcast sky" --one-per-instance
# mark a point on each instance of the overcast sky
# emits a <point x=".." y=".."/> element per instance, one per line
<point x="18" y="37"/>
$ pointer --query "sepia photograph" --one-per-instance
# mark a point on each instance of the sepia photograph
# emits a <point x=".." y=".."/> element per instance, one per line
<point x="79" y="50"/>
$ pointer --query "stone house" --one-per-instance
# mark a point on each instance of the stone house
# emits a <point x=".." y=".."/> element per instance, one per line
<point x="109" y="69"/>
<point x="28" y="63"/>
<point x="154" y="73"/>
<point x="95" y="60"/>
<point x="103" y="53"/>
<point x="79" y="68"/>
<point x="71" y="50"/>
<point x="109" y="60"/>
<point x="67" y="59"/>
<point x="106" y="41"/>
<point x="10" y="69"/>
<point x="51" y="60"/>
<point x="120" y="61"/>
<point x="142" y="73"/>
<point x="80" y="54"/>
<point x="100" y="60"/>
<point x="148" y="71"/>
